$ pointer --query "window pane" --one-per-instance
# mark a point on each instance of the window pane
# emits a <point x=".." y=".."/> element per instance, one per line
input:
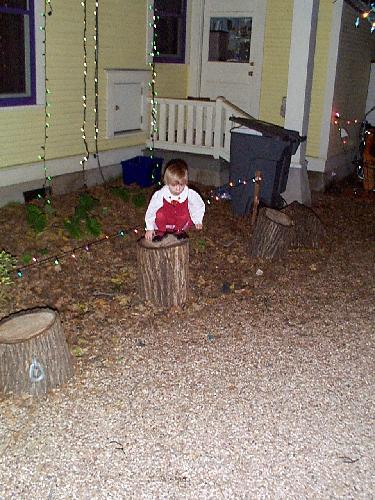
<point x="167" y="39"/>
<point x="169" y="6"/>
<point x="12" y="54"/>
<point x="230" y="39"/>
<point x="15" y="4"/>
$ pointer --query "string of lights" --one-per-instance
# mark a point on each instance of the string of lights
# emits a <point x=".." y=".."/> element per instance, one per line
<point x="342" y="126"/>
<point x="369" y="15"/>
<point x="96" y="87"/>
<point x="72" y="253"/>
<point x="152" y="82"/>
<point x="86" y="156"/>
<point x="47" y="178"/>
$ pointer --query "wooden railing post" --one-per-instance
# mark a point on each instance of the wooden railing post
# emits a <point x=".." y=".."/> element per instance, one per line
<point x="218" y="129"/>
<point x="196" y="126"/>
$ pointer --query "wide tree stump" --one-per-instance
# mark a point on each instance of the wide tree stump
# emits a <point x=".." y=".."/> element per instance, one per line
<point x="163" y="271"/>
<point x="34" y="355"/>
<point x="308" y="230"/>
<point x="272" y="234"/>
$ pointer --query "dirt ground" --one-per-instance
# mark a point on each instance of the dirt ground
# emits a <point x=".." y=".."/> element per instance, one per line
<point x="93" y="282"/>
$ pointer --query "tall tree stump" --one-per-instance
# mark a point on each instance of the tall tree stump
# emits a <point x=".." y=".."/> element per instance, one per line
<point x="308" y="230"/>
<point x="163" y="270"/>
<point x="34" y="355"/>
<point x="272" y="234"/>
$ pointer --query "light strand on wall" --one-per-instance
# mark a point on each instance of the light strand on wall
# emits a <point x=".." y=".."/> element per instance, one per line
<point x="96" y="86"/>
<point x="369" y="15"/>
<point x="342" y="127"/>
<point x="84" y="96"/>
<point x="47" y="178"/>
<point x="152" y="82"/>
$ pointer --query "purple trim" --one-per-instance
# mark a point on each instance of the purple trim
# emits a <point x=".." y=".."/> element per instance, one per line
<point x="179" y="58"/>
<point x="29" y="99"/>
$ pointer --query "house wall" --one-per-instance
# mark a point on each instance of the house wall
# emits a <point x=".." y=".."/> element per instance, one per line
<point x="356" y="50"/>
<point x="275" y="60"/>
<point x="122" y="45"/>
<point x="370" y="102"/>
<point x="172" y="80"/>
<point x="318" y="91"/>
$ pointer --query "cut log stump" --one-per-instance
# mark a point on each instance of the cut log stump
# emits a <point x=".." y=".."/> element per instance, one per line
<point x="308" y="230"/>
<point x="163" y="270"/>
<point x="34" y="355"/>
<point x="272" y="234"/>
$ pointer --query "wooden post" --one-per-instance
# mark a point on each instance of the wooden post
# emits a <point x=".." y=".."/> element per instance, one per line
<point x="258" y="180"/>
<point x="34" y="356"/>
<point x="163" y="270"/>
<point x="272" y="234"/>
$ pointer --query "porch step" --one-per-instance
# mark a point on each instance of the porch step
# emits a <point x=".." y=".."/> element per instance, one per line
<point x="203" y="169"/>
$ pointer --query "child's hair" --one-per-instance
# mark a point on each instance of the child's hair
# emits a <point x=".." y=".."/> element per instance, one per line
<point x="176" y="171"/>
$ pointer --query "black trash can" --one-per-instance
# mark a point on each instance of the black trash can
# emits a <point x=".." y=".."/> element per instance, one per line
<point x="257" y="145"/>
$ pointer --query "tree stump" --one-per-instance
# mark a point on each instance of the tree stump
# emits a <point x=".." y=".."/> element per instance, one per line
<point x="163" y="270"/>
<point x="308" y="230"/>
<point x="272" y="234"/>
<point x="34" y="355"/>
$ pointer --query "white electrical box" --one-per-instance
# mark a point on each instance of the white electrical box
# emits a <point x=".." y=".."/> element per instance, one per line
<point x="127" y="109"/>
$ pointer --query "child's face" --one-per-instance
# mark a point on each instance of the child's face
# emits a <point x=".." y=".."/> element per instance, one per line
<point x="177" y="187"/>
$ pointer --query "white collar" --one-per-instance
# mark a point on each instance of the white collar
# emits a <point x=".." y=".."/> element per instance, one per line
<point x="180" y="197"/>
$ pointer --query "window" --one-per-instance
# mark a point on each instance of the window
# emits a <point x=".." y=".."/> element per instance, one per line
<point x="230" y="39"/>
<point x="17" y="53"/>
<point x="170" y="30"/>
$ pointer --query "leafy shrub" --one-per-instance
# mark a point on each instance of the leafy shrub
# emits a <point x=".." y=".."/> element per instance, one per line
<point x="83" y="221"/>
<point x="7" y="264"/>
<point x="139" y="199"/>
<point x="36" y="218"/>
<point x="121" y="192"/>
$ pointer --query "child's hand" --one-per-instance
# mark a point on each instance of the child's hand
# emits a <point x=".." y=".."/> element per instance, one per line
<point x="149" y="234"/>
<point x="199" y="226"/>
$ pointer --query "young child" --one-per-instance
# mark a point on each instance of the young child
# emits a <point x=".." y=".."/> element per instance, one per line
<point x="175" y="207"/>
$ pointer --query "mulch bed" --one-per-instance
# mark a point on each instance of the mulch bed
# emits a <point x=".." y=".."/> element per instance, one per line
<point x="95" y="291"/>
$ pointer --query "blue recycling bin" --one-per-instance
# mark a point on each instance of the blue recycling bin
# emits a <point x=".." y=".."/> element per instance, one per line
<point x="257" y="145"/>
<point x="142" y="170"/>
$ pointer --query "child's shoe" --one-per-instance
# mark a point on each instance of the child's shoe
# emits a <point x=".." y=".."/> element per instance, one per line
<point x="181" y="236"/>
<point x="159" y="237"/>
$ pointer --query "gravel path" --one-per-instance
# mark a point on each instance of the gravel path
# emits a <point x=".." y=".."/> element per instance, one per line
<point x="246" y="407"/>
<point x="267" y="391"/>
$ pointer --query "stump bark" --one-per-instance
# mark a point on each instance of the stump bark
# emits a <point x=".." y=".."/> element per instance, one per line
<point x="34" y="355"/>
<point x="272" y="234"/>
<point x="163" y="271"/>
<point x="308" y="230"/>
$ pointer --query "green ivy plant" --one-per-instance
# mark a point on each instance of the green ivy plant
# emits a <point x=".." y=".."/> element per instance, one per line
<point x="139" y="199"/>
<point x="83" y="221"/>
<point x="121" y="192"/>
<point x="7" y="265"/>
<point x="36" y="218"/>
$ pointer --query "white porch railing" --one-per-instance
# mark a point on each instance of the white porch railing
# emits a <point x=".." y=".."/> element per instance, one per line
<point x="195" y="126"/>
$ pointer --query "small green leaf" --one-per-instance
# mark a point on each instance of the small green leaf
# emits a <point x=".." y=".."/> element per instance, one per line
<point x="77" y="351"/>
<point x="139" y="200"/>
<point x="93" y="226"/>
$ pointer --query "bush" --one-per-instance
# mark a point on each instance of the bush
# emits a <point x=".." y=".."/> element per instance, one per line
<point x="7" y="265"/>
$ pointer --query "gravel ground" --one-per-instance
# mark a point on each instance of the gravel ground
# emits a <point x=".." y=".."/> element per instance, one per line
<point x="265" y="391"/>
<point x="251" y="410"/>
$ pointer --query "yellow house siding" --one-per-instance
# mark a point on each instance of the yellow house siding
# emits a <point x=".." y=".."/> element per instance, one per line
<point x="275" y="59"/>
<point x="122" y="44"/>
<point x="323" y="39"/>
<point x="171" y="80"/>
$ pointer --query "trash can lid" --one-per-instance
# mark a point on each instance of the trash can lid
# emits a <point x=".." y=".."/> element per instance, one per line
<point x="271" y="130"/>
